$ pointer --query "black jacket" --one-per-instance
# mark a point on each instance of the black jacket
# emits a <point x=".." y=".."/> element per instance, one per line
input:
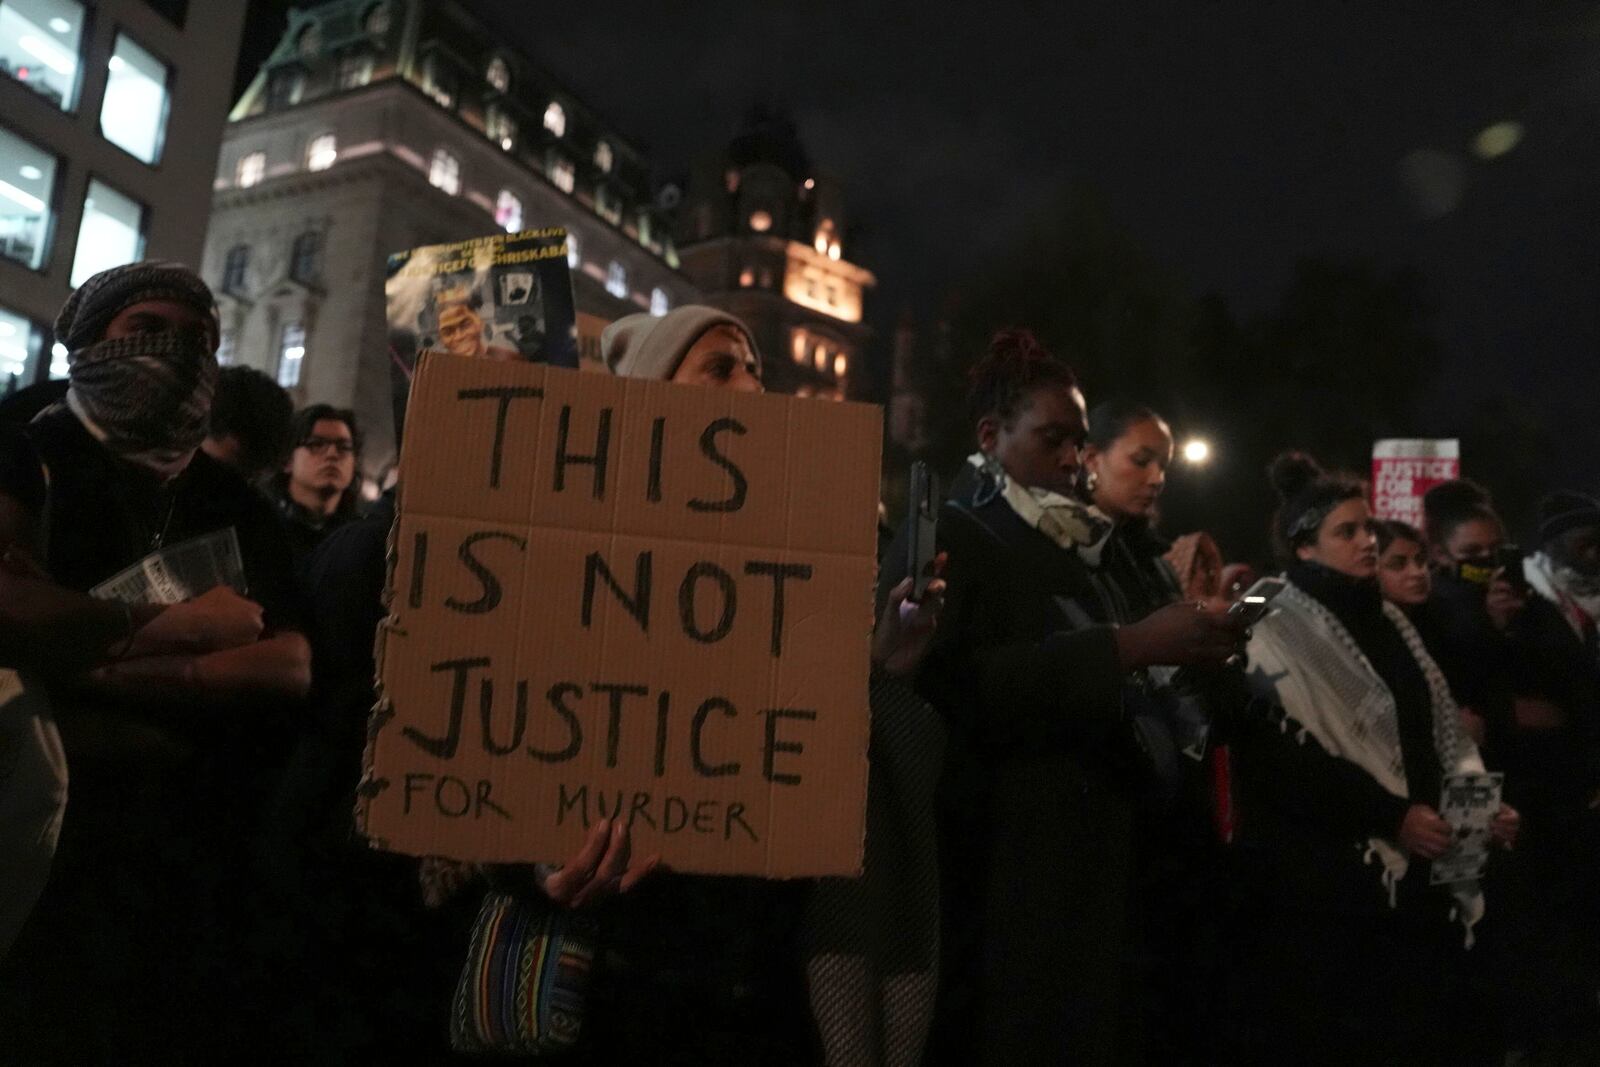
<point x="1036" y="806"/>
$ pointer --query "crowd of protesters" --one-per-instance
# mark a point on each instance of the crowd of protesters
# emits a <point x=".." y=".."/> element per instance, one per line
<point x="1110" y="820"/>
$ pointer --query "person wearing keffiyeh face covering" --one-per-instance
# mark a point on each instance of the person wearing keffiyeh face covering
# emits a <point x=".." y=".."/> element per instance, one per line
<point x="141" y="363"/>
<point x="169" y="715"/>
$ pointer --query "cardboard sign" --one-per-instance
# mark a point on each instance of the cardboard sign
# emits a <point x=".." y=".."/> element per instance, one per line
<point x="1469" y="803"/>
<point x="615" y="596"/>
<point x="506" y="297"/>
<point x="1403" y="470"/>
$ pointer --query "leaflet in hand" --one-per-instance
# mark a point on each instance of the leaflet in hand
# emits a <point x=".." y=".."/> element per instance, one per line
<point x="1469" y="803"/>
<point x="175" y="573"/>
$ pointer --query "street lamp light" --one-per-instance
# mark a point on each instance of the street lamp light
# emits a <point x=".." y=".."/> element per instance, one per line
<point x="1196" y="451"/>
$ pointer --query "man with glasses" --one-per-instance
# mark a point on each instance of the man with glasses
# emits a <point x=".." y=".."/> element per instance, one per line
<point x="318" y="489"/>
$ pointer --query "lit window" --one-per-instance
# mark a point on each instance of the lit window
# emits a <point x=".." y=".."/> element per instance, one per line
<point x="840" y="365"/>
<point x="798" y="346"/>
<point x="498" y="75"/>
<point x="234" y="268"/>
<point x="285" y="88"/>
<point x="562" y="174"/>
<point x="291" y="354"/>
<point x="659" y="305"/>
<point x="821" y="243"/>
<point x="322" y="151"/>
<point x="445" y="172"/>
<point x="617" y="279"/>
<point x="555" y="119"/>
<point x="607" y="205"/>
<point x="111" y="234"/>
<point x="58" y="361"/>
<point x="226" y="346"/>
<point x="821" y="357"/>
<point x="508" y="211"/>
<point x="19" y="350"/>
<point x="603" y="157"/>
<point x="572" y="251"/>
<point x="376" y="20"/>
<point x="760" y="221"/>
<point x="305" y="259"/>
<point x="251" y="168"/>
<point x="747" y="278"/>
<point x="355" y="71"/>
<point x="833" y="250"/>
<point x="500" y="127"/>
<point x="438" y="83"/>
<point x="309" y="42"/>
<point x="27" y="182"/>
<point x="40" y="41"/>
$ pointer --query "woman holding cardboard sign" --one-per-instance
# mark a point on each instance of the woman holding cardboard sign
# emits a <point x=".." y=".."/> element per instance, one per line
<point x="716" y="970"/>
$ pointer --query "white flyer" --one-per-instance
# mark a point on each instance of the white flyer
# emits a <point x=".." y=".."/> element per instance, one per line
<point x="1468" y="803"/>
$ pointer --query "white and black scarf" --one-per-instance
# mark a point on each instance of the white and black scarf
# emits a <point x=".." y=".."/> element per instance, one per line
<point x="1309" y="663"/>
<point x="1072" y="524"/>
<point x="146" y="398"/>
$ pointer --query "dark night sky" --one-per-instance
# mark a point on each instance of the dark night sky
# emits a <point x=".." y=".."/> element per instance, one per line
<point x="1231" y="138"/>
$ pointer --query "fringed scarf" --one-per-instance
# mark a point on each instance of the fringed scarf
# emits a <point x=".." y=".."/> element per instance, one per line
<point x="1308" y="662"/>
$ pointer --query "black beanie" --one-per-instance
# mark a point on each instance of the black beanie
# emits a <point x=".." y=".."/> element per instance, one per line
<point x="1563" y="511"/>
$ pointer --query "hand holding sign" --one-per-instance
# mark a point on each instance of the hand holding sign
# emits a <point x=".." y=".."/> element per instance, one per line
<point x="1424" y="833"/>
<point x="1506" y="827"/>
<point x="600" y="868"/>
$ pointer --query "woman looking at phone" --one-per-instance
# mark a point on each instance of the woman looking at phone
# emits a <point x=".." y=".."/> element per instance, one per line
<point x="1030" y="666"/>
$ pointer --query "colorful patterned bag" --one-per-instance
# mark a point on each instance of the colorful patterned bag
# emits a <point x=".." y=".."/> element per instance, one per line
<point x="526" y="980"/>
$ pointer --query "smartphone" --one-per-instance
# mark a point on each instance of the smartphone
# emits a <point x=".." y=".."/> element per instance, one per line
<point x="1257" y="600"/>
<point x="1506" y="562"/>
<point x="923" y="512"/>
<point x="1509" y="561"/>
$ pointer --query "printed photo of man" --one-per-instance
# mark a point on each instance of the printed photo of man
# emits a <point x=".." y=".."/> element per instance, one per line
<point x="461" y="333"/>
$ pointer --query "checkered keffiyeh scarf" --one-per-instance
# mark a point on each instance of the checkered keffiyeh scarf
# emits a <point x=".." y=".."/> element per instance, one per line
<point x="146" y="397"/>
<point x="1305" y="659"/>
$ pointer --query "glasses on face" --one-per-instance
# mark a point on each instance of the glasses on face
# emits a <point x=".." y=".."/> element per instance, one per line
<point x="318" y="445"/>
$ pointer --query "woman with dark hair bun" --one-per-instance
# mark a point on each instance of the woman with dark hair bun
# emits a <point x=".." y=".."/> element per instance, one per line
<point x="1353" y="957"/>
<point x="1030" y="668"/>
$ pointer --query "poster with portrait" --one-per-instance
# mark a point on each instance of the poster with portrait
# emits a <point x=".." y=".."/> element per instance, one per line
<point x="1469" y="803"/>
<point x="506" y="297"/>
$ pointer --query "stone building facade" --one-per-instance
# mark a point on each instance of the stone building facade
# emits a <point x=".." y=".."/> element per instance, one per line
<point x="382" y="125"/>
<point x="763" y="236"/>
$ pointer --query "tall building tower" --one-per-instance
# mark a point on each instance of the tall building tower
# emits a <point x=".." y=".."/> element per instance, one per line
<point x="763" y="235"/>
<point x="111" y="114"/>
<point x="381" y="125"/>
